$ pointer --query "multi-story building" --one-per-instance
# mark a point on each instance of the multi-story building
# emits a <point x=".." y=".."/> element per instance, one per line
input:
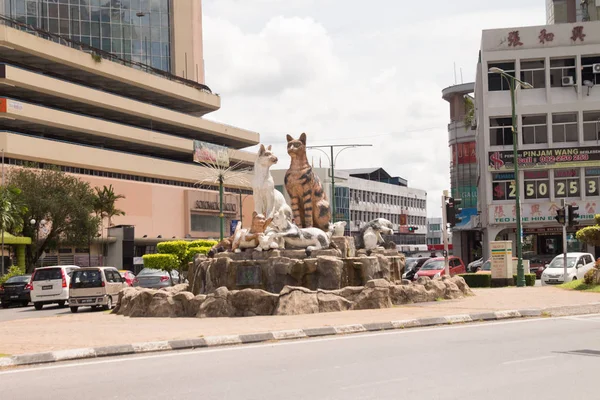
<point x="565" y="11"/>
<point x="466" y="236"/>
<point x="434" y="231"/>
<point x="114" y="92"/>
<point x="558" y="127"/>
<point x="363" y="195"/>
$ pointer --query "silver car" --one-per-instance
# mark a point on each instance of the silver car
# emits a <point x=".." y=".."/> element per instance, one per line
<point x="155" y="278"/>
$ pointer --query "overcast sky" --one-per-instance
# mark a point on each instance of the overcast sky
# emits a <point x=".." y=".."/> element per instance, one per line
<point x="349" y="71"/>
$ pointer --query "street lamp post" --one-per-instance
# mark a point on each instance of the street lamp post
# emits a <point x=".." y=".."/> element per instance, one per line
<point x="514" y="84"/>
<point x="332" y="159"/>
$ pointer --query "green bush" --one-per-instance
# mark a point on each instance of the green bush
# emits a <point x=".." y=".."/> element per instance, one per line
<point x="12" y="271"/>
<point x="202" y="243"/>
<point x="588" y="278"/>
<point x="165" y="262"/>
<point x="529" y="279"/>
<point x="478" y="280"/>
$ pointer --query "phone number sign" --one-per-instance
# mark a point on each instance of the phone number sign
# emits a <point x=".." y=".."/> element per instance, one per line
<point x="545" y="158"/>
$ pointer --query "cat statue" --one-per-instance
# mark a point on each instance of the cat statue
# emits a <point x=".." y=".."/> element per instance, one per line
<point x="301" y="238"/>
<point x="267" y="200"/>
<point x="248" y="238"/>
<point x="371" y="232"/>
<point x="310" y="207"/>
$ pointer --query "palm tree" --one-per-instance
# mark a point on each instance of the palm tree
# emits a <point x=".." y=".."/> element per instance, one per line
<point x="12" y="210"/>
<point x="104" y="207"/>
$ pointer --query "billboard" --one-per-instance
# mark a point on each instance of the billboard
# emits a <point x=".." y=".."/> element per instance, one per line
<point x="563" y="157"/>
<point x="208" y="153"/>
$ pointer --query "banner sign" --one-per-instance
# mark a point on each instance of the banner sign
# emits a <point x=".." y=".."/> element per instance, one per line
<point x="541" y="212"/>
<point x="564" y="157"/>
<point x="208" y="153"/>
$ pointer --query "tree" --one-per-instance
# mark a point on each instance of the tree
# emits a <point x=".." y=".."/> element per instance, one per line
<point x="63" y="202"/>
<point x="12" y="210"/>
<point x="176" y="254"/>
<point x="469" y="111"/>
<point x="590" y="234"/>
<point x="105" y="207"/>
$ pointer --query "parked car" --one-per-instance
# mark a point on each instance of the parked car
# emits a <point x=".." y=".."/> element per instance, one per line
<point x="128" y="276"/>
<point x="51" y="285"/>
<point x="15" y="291"/>
<point x="434" y="267"/>
<point x="95" y="287"/>
<point x="412" y="266"/>
<point x="154" y="278"/>
<point x="475" y="265"/>
<point x="537" y="263"/>
<point x="485" y="268"/>
<point x="577" y="265"/>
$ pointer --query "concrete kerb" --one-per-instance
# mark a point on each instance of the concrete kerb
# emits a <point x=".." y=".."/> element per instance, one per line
<point x="229" y="340"/>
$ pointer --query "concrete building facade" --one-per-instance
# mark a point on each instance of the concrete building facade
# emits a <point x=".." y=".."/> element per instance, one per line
<point x="558" y="132"/>
<point x="566" y="11"/>
<point x="106" y="117"/>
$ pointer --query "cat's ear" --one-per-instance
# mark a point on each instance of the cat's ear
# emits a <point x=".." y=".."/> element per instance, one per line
<point x="254" y="214"/>
<point x="269" y="148"/>
<point x="289" y="138"/>
<point x="303" y="138"/>
<point x="261" y="151"/>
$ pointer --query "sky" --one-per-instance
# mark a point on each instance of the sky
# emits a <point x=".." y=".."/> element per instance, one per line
<point x="349" y="71"/>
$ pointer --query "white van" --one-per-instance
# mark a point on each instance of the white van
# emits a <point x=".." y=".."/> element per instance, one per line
<point x="51" y="285"/>
<point x="95" y="287"/>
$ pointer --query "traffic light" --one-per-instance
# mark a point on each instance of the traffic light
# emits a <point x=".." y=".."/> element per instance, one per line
<point x="573" y="215"/>
<point x="560" y="216"/>
<point x="413" y="229"/>
<point x="453" y="209"/>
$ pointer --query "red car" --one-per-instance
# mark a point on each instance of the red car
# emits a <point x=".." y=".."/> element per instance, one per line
<point x="128" y="276"/>
<point x="434" y="267"/>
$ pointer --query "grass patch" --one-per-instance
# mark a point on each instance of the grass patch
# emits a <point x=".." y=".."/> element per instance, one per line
<point x="4" y="355"/>
<point x="439" y="299"/>
<point x="581" y="286"/>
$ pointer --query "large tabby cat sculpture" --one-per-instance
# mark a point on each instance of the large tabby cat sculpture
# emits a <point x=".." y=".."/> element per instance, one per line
<point x="310" y="207"/>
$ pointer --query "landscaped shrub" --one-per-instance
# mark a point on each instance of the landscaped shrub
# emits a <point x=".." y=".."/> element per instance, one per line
<point x="529" y="279"/>
<point x="12" y="271"/>
<point x="588" y="278"/>
<point x="202" y="243"/>
<point x="478" y="280"/>
<point x="165" y="262"/>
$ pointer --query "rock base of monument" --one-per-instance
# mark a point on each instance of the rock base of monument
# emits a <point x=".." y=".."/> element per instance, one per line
<point x="291" y="300"/>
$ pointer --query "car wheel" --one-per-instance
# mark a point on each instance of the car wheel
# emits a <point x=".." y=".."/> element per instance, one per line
<point x="61" y="304"/>
<point x="38" y="306"/>
<point x="74" y="309"/>
<point x="574" y="278"/>
<point x="5" y="305"/>
<point x="108" y="305"/>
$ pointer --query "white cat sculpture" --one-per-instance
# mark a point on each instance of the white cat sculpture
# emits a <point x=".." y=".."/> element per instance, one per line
<point x="267" y="200"/>
<point x="370" y="234"/>
<point x="300" y="238"/>
<point x="337" y="229"/>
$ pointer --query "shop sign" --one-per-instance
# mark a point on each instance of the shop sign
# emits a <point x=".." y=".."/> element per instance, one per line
<point x="214" y="206"/>
<point x="208" y="153"/>
<point x="501" y="259"/>
<point x="563" y="157"/>
<point x="540" y="212"/>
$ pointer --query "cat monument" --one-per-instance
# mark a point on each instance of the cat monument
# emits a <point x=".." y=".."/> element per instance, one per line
<point x="267" y="200"/>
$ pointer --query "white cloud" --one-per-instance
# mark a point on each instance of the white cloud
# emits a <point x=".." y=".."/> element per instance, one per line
<point x="368" y="75"/>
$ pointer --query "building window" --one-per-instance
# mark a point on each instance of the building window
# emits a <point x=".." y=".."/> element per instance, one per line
<point x="591" y="125"/>
<point x="592" y="177"/>
<point x="535" y="129"/>
<point x="560" y="68"/>
<point x="503" y="186"/>
<point x="501" y="131"/>
<point x="587" y="69"/>
<point x="564" y="128"/>
<point x="536" y="185"/>
<point x="566" y="183"/>
<point x="495" y="81"/>
<point x="205" y="223"/>
<point x="534" y="73"/>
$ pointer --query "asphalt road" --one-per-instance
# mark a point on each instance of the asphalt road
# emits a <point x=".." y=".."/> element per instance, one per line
<point x="17" y="312"/>
<point x="545" y="359"/>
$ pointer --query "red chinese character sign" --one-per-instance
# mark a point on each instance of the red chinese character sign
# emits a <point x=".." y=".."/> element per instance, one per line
<point x="546" y="36"/>
<point x="514" y="39"/>
<point x="577" y="34"/>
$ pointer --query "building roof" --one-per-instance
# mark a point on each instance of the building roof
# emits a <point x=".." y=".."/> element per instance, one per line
<point x="376" y="174"/>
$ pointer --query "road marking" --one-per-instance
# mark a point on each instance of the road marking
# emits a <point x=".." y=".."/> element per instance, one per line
<point x="287" y="343"/>
<point x="594" y="320"/>
<point x="527" y="360"/>
<point x="362" y="385"/>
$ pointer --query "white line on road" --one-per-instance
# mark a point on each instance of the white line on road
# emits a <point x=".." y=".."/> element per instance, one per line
<point x="527" y="360"/>
<point x="287" y="343"/>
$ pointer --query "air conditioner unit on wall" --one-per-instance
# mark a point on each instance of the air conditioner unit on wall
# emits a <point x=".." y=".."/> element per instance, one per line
<point x="596" y="68"/>
<point x="568" y="81"/>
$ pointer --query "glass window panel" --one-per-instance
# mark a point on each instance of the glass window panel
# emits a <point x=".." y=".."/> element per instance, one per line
<point x="20" y="7"/>
<point x="155" y="34"/>
<point x="105" y="30"/>
<point x="116" y="31"/>
<point x="75" y="28"/>
<point x="85" y="28"/>
<point x="96" y="42"/>
<point x="106" y="45"/>
<point x="63" y="11"/>
<point x="155" y="50"/>
<point x="164" y="35"/>
<point x="53" y="25"/>
<point x="95" y="29"/>
<point x="84" y="13"/>
<point x="105" y="15"/>
<point x="75" y="13"/>
<point x="31" y="8"/>
<point x="126" y="46"/>
<point x="53" y="10"/>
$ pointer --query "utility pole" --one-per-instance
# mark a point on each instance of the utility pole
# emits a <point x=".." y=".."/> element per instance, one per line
<point x="2" y="232"/>
<point x="564" y="232"/>
<point x="332" y="160"/>
<point x="445" y="233"/>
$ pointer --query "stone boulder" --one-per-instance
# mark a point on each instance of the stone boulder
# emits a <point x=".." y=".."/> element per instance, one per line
<point x="280" y="272"/>
<point x="436" y="288"/>
<point x="216" y="305"/>
<point x="251" y="302"/>
<point x="349" y="292"/>
<point x="373" y="283"/>
<point x="329" y="302"/>
<point x="296" y="301"/>
<point x="460" y="283"/>
<point x="194" y="305"/>
<point x="181" y="287"/>
<point x="399" y="294"/>
<point x="372" y="298"/>
<point x="329" y="271"/>
<point x="418" y="293"/>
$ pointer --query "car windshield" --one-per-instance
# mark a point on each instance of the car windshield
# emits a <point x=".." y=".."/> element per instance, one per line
<point x="47" y="274"/>
<point x="487" y="266"/>
<point x="411" y="263"/>
<point x="150" y="271"/>
<point x="558" y="262"/>
<point x="87" y="279"/>
<point x="433" y="265"/>
<point x="19" y="279"/>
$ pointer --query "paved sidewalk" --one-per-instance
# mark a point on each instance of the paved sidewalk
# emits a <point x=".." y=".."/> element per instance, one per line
<point x="90" y="330"/>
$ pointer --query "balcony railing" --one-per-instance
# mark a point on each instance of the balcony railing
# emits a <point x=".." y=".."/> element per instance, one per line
<point x="4" y="20"/>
